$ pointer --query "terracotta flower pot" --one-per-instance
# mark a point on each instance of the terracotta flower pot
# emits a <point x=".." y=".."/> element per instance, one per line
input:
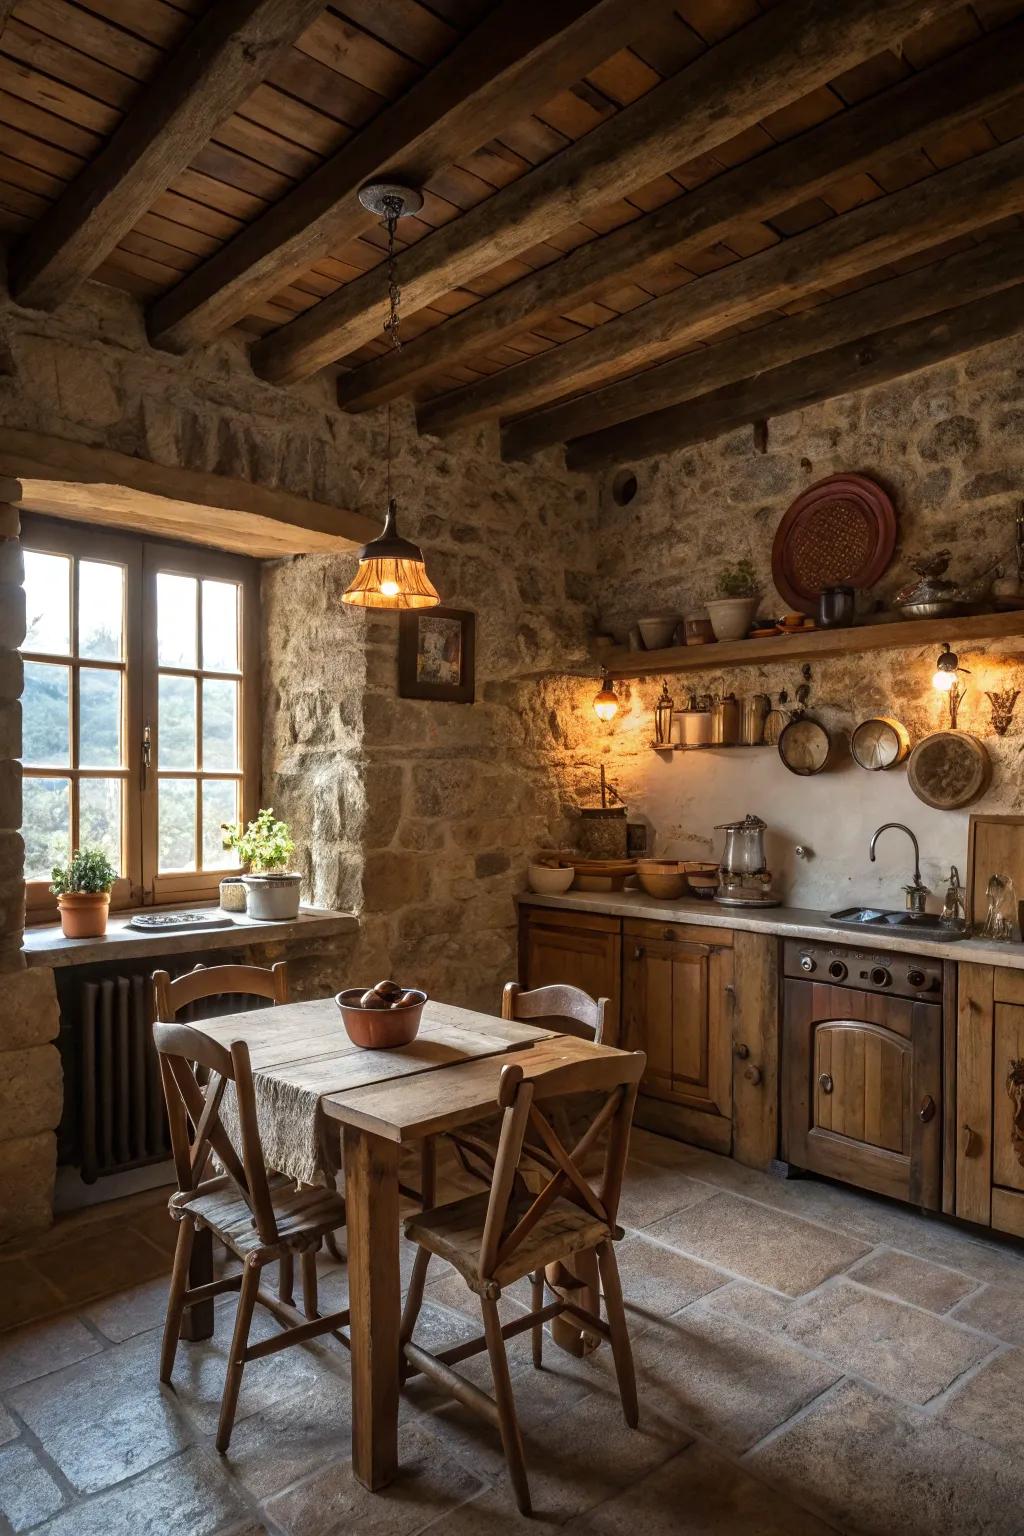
<point x="83" y="914"/>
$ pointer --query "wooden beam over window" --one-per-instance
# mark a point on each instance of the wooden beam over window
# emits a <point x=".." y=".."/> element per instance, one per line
<point x="872" y="358"/>
<point x="947" y="205"/>
<point x="227" y="53"/>
<point x="959" y="89"/>
<point x="511" y="63"/>
<point x="774" y="60"/>
<point x="115" y="490"/>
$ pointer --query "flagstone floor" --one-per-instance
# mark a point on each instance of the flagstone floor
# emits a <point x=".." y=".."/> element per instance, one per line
<point x="810" y="1359"/>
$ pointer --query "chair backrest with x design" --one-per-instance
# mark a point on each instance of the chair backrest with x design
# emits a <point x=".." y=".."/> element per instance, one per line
<point x="193" y="1113"/>
<point x="521" y="1100"/>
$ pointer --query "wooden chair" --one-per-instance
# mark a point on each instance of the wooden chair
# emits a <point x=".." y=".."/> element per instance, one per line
<point x="257" y="1218"/>
<point x="497" y="1237"/>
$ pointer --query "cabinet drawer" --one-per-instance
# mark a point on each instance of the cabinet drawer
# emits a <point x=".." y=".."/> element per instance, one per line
<point x="676" y="933"/>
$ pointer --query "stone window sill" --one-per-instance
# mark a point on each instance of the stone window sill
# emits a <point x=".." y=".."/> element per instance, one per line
<point x="46" y="945"/>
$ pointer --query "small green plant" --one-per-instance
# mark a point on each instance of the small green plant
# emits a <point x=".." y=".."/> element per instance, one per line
<point x="264" y="845"/>
<point x="737" y="580"/>
<point x="87" y="873"/>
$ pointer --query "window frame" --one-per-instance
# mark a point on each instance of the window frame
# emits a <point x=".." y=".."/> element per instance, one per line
<point x="142" y="884"/>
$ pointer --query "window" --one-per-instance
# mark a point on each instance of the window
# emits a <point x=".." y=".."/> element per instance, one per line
<point x="139" y="715"/>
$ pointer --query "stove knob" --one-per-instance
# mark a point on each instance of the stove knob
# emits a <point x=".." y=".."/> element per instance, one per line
<point x="807" y="963"/>
<point x="837" y="970"/>
<point x="879" y="976"/>
<point x="917" y="979"/>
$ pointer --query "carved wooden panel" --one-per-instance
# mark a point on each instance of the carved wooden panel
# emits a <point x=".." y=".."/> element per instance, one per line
<point x="1008" y="1097"/>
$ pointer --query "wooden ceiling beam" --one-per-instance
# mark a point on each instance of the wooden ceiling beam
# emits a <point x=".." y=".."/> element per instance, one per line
<point x="792" y="49"/>
<point x="872" y="359"/>
<point x="225" y="56"/>
<point x="516" y="59"/>
<point x="958" y="89"/>
<point x="950" y="203"/>
<point x="686" y="385"/>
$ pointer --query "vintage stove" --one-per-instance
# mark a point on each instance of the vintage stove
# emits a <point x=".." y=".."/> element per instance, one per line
<point x="743" y="877"/>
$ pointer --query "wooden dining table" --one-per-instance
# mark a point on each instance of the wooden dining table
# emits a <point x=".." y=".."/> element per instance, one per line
<point x="380" y="1102"/>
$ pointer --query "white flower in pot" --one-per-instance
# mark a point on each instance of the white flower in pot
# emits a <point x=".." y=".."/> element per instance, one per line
<point x="272" y="893"/>
<point x="736" y="604"/>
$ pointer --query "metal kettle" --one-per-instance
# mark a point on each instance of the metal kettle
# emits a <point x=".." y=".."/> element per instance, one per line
<point x="743" y="853"/>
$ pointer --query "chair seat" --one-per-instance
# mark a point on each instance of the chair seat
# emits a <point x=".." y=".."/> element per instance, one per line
<point x="454" y="1232"/>
<point x="301" y="1214"/>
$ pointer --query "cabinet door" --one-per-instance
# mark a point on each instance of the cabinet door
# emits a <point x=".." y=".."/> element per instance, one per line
<point x="974" y="1029"/>
<point x="574" y="949"/>
<point x="677" y="1009"/>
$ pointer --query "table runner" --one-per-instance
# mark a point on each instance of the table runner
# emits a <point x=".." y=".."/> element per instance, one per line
<point x="300" y="1052"/>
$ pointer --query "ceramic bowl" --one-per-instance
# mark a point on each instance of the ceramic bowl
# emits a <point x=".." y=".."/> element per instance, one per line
<point x="548" y="879"/>
<point x="664" y="879"/>
<point x="657" y="632"/>
<point x="379" y="1029"/>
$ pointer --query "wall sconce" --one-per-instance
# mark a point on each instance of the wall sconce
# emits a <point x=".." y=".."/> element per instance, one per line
<point x="1003" y="705"/>
<point x="946" y="680"/>
<point x="663" y="717"/>
<point x="606" y="704"/>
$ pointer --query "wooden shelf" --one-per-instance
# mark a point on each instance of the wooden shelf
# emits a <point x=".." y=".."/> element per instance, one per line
<point x="707" y="746"/>
<point x="816" y="643"/>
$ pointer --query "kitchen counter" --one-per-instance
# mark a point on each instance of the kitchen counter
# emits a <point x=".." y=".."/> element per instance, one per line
<point x="786" y="922"/>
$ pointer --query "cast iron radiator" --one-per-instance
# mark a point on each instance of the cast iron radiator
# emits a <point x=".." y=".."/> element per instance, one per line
<point x="113" y="1117"/>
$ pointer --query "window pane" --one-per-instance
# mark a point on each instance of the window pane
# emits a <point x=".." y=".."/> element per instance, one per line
<point x="220" y="724"/>
<point x="175" y="620"/>
<point x="99" y="718"/>
<point x="46" y="825"/>
<point x="100" y="610"/>
<point x="177" y="824"/>
<point x="44" y="704"/>
<point x="99" y="817"/>
<point x="220" y="804"/>
<point x="177" y="738"/>
<point x="220" y="626"/>
<point x="48" y="603"/>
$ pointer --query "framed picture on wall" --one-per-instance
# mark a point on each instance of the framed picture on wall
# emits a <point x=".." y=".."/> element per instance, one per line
<point x="436" y="655"/>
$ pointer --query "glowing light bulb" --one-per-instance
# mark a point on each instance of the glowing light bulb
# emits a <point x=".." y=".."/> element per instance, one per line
<point x="606" y="705"/>
<point x="943" y="681"/>
<point x="389" y="589"/>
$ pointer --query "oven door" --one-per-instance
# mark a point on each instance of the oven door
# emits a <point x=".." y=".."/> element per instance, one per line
<point x="862" y="1076"/>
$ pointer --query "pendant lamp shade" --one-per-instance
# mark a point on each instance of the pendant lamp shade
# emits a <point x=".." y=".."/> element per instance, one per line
<point x="391" y="573"/>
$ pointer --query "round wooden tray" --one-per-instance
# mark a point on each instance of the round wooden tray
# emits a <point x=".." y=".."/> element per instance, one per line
<point x="805" y="746"/>
<point x="949" y="769"/>
<point x="840" y="532"/>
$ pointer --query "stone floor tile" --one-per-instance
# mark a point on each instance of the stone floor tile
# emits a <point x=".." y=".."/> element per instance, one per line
<point x="650" y="1193"/>
<point x="106" y="1418"/>
<point x="874" y="1467"/>
<point x="916" y="1280"/>
<point x="158" y="1226"/>
<point x="708" y="1373"/>
<point x="285" y="1442"/>
<point x="698" y="1494"/>
<point x="199" y="1371"/>
<point x="8" y="1429"/>
<point x="768" y="1246"/>
<point x="997" y="1309"/>
<point x="100" y="1262"/>
<point x="43" y="1347"/>
<point x="658" y="1280"/>
<point x="24" y="1294"/>
<point x="753" y="1305"/>
<point x="128" y="1313"/>
<point x="189" y="1496"/>
<point x="430" y="1482"/>
<point x="907" y="1352"/>
<point x="28" y="1494"/>
<point x="988" y="1405"/>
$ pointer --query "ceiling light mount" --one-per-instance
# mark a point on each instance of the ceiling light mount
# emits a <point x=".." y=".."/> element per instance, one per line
<point x="390" y="199"/>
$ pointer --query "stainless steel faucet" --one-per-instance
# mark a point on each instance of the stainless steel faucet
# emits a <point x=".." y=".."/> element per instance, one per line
<point x="917" y="892"/>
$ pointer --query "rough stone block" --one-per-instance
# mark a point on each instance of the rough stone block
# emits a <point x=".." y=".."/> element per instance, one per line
<point x="394" y="880"/>
<point x="10" y="794"/>
<point x="30" y="1013"/>
<point x="28" y="1167"/>
<point x="31" y="1091"/>
<point x="11" y="675"/>
<point x="10" y="729"/>
<point x="12" y="613"/>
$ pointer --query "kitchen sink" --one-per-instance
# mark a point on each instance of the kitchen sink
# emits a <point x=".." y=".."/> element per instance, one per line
<point x="923" y="925"/>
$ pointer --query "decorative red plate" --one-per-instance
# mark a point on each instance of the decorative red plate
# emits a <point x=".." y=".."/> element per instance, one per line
<point x="838" y="533"/>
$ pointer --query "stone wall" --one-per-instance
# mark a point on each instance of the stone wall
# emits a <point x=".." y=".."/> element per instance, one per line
<point x="948" y="446"/>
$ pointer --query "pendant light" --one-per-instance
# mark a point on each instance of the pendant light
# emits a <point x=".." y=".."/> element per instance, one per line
<point x="606" y="703"/>
<point x="392" y="573"/>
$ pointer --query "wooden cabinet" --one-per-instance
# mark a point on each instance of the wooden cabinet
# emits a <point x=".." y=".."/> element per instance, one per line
<point x="990" y="1097"/>
<point x="576" y="949"/>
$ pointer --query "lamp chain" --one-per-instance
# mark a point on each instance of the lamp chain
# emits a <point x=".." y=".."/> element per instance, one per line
<point x="393" y="207"/>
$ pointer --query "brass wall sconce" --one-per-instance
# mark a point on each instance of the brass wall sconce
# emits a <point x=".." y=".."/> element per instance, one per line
<point x="1003" y="705"/>
<point x="606" y="703"/>
<point x="946" y="679"/>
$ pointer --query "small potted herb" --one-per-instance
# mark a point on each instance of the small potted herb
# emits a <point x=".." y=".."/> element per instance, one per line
<point x="272" y="894"/>
<point x="82" y="888"/>
<point x="736" y="603"/>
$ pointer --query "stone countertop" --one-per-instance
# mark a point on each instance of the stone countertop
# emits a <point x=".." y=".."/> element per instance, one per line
<point x="46" y="945"/>
<point x="786" y="922"/>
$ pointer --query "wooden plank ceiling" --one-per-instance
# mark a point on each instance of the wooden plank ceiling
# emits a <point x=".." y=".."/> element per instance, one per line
<point x="641" y="219"/>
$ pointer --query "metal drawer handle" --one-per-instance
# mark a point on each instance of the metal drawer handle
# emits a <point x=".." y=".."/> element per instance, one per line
<point x="927" y="1110"/>
<point x="825" y="1082"/>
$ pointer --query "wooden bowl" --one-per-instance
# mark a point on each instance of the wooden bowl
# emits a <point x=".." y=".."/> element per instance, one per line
<point x="664" y="879"/>
<point x="379" y="1029"/>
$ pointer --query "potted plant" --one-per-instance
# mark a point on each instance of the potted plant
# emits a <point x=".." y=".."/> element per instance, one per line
<point x="734" y="607"/>
<point x="82" y="888"/>
<point x="272" y="894"/>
